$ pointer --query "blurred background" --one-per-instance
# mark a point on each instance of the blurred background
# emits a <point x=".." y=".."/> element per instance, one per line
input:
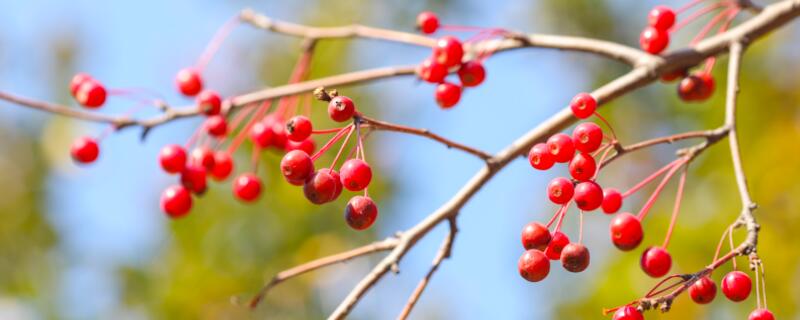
<point x="91" y="243"/>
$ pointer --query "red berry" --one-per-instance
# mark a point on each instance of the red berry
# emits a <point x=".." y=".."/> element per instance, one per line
<point x="360" y="212"/>
<point x="653" y="40"/>
<point x="298" y="128"/>
<point x="356" y="174"/>
<point x="533" y="265"/>
<point x="626" y="231"/>
<point x="448" y="51"/>
<point x="736" y="286"/>
<point x="689" y="88"/>
<point x="761" y="314"/>
<point x="661" y="18"/>
<point x="261" y="134"/>
<point x="341" y="109"/>
<point x="321" y="187"/>
<point x="247" y="187"/>
<point x="77" y="80"/>
<point x="447" y="95"/>
<point x="427" y="22"/>
<point x="674" y="75"/>
<point x="306" y="145"/>
<point x="560" y="190"/>
<point x="337" y="190"/>
<point x="535" y="236"/>
<point x="193" y="177"/>
<point x="575" y="257"/>
<point x="431" y="71"/>
<point x="223" y="166"/>
<point x="703" y="290"/>
<point x="561" y="147"/>
<point x="209" y="102"/>
<point x="203" y="157"/>
<point x="216" y="126"/>
<point x="587" y="137"/>
<point x="91" y="94"/>
<point x="582" y="167"/>
<point x="706" y="87"/>
<point x="656" y="262"/>
<point x="588" y="195"/>
<point x="627" y="313"/>
<point x="557" y="244"/>
<point x="472" y="73"/>
<point x="540" y="157"/>
<point x="296" y="167"/>
<point x="583" y="105"/>
<point x="189" y="82"/>
<point x="176" y="201"/>
<point x="612" y="200"/>
<point x="279" y="135"/>
<point x="84" y="150"/>
<point x="172" y="158"/>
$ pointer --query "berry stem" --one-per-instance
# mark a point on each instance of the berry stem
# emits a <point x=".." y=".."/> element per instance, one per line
<point x="580" y="227"/>
<point x="763" y="283"/>
<point x="250" y="123"/>
<point x="610" y="128"/>
<point x="215" y="43"/>
<point x="652" y="177"/>
<point x="331" y="142"/>
<point x="730" y="239"/>
<point x="561" y="219"/>
<point x="697" y="14"/>
<point x="254" y="158"/>
<point x="553" y="219"/>
<point x="710" y="25"/>
<point x="688" y="6"/>
<point x="721" y="241"/>
<point x="607" y="150"/>
<point x="327" y="131"/>
<point x="341" y="148"/>
<point x="677" y="207"/>
<point x="649" y="204"/>
<point x="656" y="290"/>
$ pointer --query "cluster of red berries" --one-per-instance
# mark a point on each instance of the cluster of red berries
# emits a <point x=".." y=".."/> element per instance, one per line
<point x="91" y="94"/>
<point x="446" y="57"/>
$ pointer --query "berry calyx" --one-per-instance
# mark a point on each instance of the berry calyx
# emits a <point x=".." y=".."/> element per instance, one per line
<point x="582" y="167"/>
<point x="703" y="290"/>
<point x="656" y="261"/>
<point x="188" y="81"/>
<point x="223" y="166"/>
<point x="653" y="40"/>
<point x="209" y="102"/>
<point x="247" y="187"/>
<point x="172" y="158"/>
<point x="360" y="212"/>
<point x="556" y="246"/>
<point x="661" y="18"/>
<point x="298" y="128"/>
<point x="203" y="157"/>
<point x="583" y="105"/>
<point x="761" y="314"/>
<point x="193" y="177"/>
<point x="448" y="51"/>
<point x="432" y="71"/>
<point x="533" y="265"/>
<point x="321" y="187"/>
<point x="587" y="137"/>
<point x="627" y="313"/>
<point x="560" y="190"/>
<point x="561" y="147"/>
<point x="626" y="231"/>
<point x="588" y="195"/>
<point x="427" y="22"/>
<point x="296" y="167"/>
<point x="612" y="201"/>
<point x="535" y="236"/>
<point x="84" y="150"/>
<point x="216" y="126"/>
<point x="472" y="73"/>
<point x="356" y="174"/>
<point x="341" y="108"/>
<point x="540" y="157"/>
<point x="176" y="201"/>
<point x="447" y="95"/>
<point x="736" y="285"/>
<point x="575" y="257"/>
<point x="91" y="94"/>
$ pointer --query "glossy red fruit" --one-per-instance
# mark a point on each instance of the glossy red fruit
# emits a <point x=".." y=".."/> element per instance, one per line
<point x="447" y="95"/>
<point x="356" y="174"/>
<point x="306" y="145"/>
<point x="561" y="147"/>
<point x="427" y="22"/>
<point x="627" y="313"/>
<point x="653" y="40"/>
<point x="193" y="177"/>
<point x="298" y="128"/>
<point x="209" y="102"/>
<point x="674" y="75"/>
<point x="583" y="105"/>
<point x="321" y="187"/>
<point x="188" y="81"/>
<point x="689" y="88"/>
<point x="535" y="236"/>
<point x="448" y="51"/>
<point x="661" y="17"/>
<point x="341" y="109"/>
<point x="261" y="134"/>
<point x="337" y="179"/>
<point x="575" y="257"/>
<point x="172" y="158"/>
<point x="91" y="94"/>
<point x="612" y="200"/>
<point x="736" y="285"/>
<point x="533" y="265"/>
<point x="77" y="80"/>
<point x="247" y="187"/>
<point x="432" y="71"/>
<point x="472" y="73"/>
<point x="203" y="157"/>
<point x="588" y="195"/>
<point x="176" y="201"/>
<point x="216" y="126"/>
<point x="557" y="244"/>
<point x="223" y="166"/>
<point x="279" y="135"/>
<point x="84" y="150"/>
<point x="540" y="157"/>
<point x="587" y="137"/>
<point x="707" y="86"/>
<point x="296" y="166"/>
<point x="360" y="212"/>
<point x="703" y="290"/>
<point x="761" y="314"/>
<point x="560" y="190"/>
<point x="582" y="167"/>
<point x="656" y="262"/>
<point x="626" y="231"/>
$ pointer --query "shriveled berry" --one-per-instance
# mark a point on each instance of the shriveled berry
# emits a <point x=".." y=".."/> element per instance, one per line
<point x="188" y="81"/>
<point x="626" y="231"/>
<point x="588" y="195"/>
<point x="560" y="190"/>
<point x="535" y="236"/>
<point x="540" y="157"/>
<point x="557" y="244"/>
<point x="341" y="109"/>
<point x="736" y="285"/>
<point x="448" y="51"/>
<point x="209" y="102"/>
<point x="298" y="128"/>
<point x="360" y="212"/>
<point x="296" y="166"/>
<point x="612" y="200"/>
<point x="472" y="73"/>
<point x="193" y="177"/>
<point x="203" y="157"/>
<point x="427" y="22"/>
<point x="176" y="201"/>
<point x="761" y="314"/>
<point x="223" y="165"/>
<point x="582" y="167"/>
<point x="172" y="158"/>
<point x="533" y="265"/>
<point x="247" y="187"/>
<point x="587" y="137"/>
<point x="661" y="17"/>
<point x="356" y="174"/>
<point x="91" y="94"/>
<point x="432" y="71"/>
<point x="653" y="40"/>
<point x="583" y="105"/>
<point x="85" y="150"/>
<point x="575" y="257"/>
<point x="703" y="290"/>
<point x="447" y="95"/>
<point x="561" y="147"/>
<point x="627" y="313"/>
<point x="656" y="261"/>
<point x="320" y="187"/>
<point x="216" y="126"/>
